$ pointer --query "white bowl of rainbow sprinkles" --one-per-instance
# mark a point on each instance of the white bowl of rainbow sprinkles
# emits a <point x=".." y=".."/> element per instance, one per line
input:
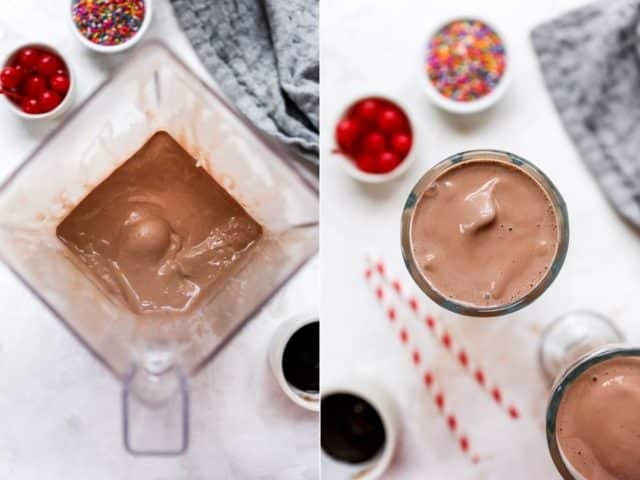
<point x="465" y="65"/>
<point x="110" y="26"/>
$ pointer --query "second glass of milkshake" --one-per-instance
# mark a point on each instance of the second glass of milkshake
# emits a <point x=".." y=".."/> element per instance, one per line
<point x="593" y="415"/>
<point x="484" y="233"/>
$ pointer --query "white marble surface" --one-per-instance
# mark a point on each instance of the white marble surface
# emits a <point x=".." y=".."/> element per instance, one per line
<point x="373" y="45"/>
<point x="60" y="410"/>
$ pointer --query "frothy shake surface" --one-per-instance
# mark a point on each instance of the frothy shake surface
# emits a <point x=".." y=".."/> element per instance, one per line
<point x="484" y="233"/>
<point x="598" y="422"/>
<point x="159" y="234"/>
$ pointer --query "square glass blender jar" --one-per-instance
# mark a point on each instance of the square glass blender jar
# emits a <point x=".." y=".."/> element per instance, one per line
<point x="154" y="91"/>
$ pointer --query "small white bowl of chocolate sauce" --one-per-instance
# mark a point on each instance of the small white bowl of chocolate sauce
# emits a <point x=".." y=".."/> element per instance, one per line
<point x="359" y="429"/>
<point x="294" y="356"/>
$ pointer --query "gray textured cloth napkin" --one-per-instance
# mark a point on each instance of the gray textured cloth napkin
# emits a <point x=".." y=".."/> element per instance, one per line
<point x="264" y="56"/>
<point x="591" y="64"/>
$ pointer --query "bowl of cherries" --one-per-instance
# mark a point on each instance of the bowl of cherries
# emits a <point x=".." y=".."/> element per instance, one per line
<point x="36" y="82"/>
<point x="375" y="139"/>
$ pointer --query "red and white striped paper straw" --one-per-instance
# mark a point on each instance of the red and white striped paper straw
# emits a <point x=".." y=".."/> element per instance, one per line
<point x="443" y="336"/>
<point x="418" y="360"/>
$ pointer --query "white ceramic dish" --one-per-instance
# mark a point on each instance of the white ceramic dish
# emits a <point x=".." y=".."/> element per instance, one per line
<point x="473" y="106"/>
<point x="66" y="102"/>
<point x="384" y="403"/>
<point x="276" y="350"/>
<point x="148" y="4"/>
<point x="349" y="165"/>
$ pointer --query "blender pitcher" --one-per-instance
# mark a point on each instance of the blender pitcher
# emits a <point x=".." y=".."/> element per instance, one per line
<point x="154" y="357"/>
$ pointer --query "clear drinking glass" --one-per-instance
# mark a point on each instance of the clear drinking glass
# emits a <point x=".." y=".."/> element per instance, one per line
<point x="408" y="212"/>
<point x="153" y="358"/>
<point x="571" y="345"/>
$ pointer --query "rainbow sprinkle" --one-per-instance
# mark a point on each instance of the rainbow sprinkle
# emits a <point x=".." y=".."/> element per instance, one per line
<point x="108" y="22"/>
<point x="465" y="60"/>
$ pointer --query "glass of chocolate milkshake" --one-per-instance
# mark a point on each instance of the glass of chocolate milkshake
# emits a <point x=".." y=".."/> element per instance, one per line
<point x="484" y="233"/>
<point x="593" y="419"/>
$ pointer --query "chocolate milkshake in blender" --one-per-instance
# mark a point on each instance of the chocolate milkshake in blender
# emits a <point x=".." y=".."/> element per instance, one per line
<point x="159" y="233"/>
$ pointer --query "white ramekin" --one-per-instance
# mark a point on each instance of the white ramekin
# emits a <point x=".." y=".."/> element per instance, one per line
<point x="66" y="102"/>
<point x="276" y="351"/>
<point x="348" y="163"/>
<point x="376" y="394"/>
<point x="113" y="48"/>
<point x="473" y="106"/>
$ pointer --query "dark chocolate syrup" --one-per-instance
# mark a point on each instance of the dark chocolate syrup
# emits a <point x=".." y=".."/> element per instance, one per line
<point x="351" y="429"/>
<point x="301" y="358"/>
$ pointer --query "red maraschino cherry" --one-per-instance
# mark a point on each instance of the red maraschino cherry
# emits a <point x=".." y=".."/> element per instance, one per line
<point x="374" y="142"/>
<point x="346" y="134"/>
<point x="34" y="86"/>
<point x="30" y="106"/>
<point x="387" y="161"/>
<point x="28" y="58"/>
<point x="401" y="143"/>
<point x="390" y="120"/>
<point x="366" y="162"/>
<point x="60" y="83"/>
<point x="9" y="77"/>
<point x="48" y="100"/>
<point x="48" y="65"/>
<point x="367" y="110"/>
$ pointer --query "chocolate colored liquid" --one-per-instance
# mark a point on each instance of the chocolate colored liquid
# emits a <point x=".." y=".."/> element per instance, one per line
<point x="159" y="234"/>
<point x="351" y="429"/>
<point x="598" y="422"/>
<point x="301" y="358"/>
<point x="484" y="233"/>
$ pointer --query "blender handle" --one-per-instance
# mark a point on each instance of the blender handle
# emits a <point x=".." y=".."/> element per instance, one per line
<point x="155" y="412"/>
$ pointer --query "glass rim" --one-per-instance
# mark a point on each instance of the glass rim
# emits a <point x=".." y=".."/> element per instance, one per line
<point x="537" y="175"/>
<point x="284" y="154"/>
<point x="570" y="374"/>
<point x="558" y="322"/>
